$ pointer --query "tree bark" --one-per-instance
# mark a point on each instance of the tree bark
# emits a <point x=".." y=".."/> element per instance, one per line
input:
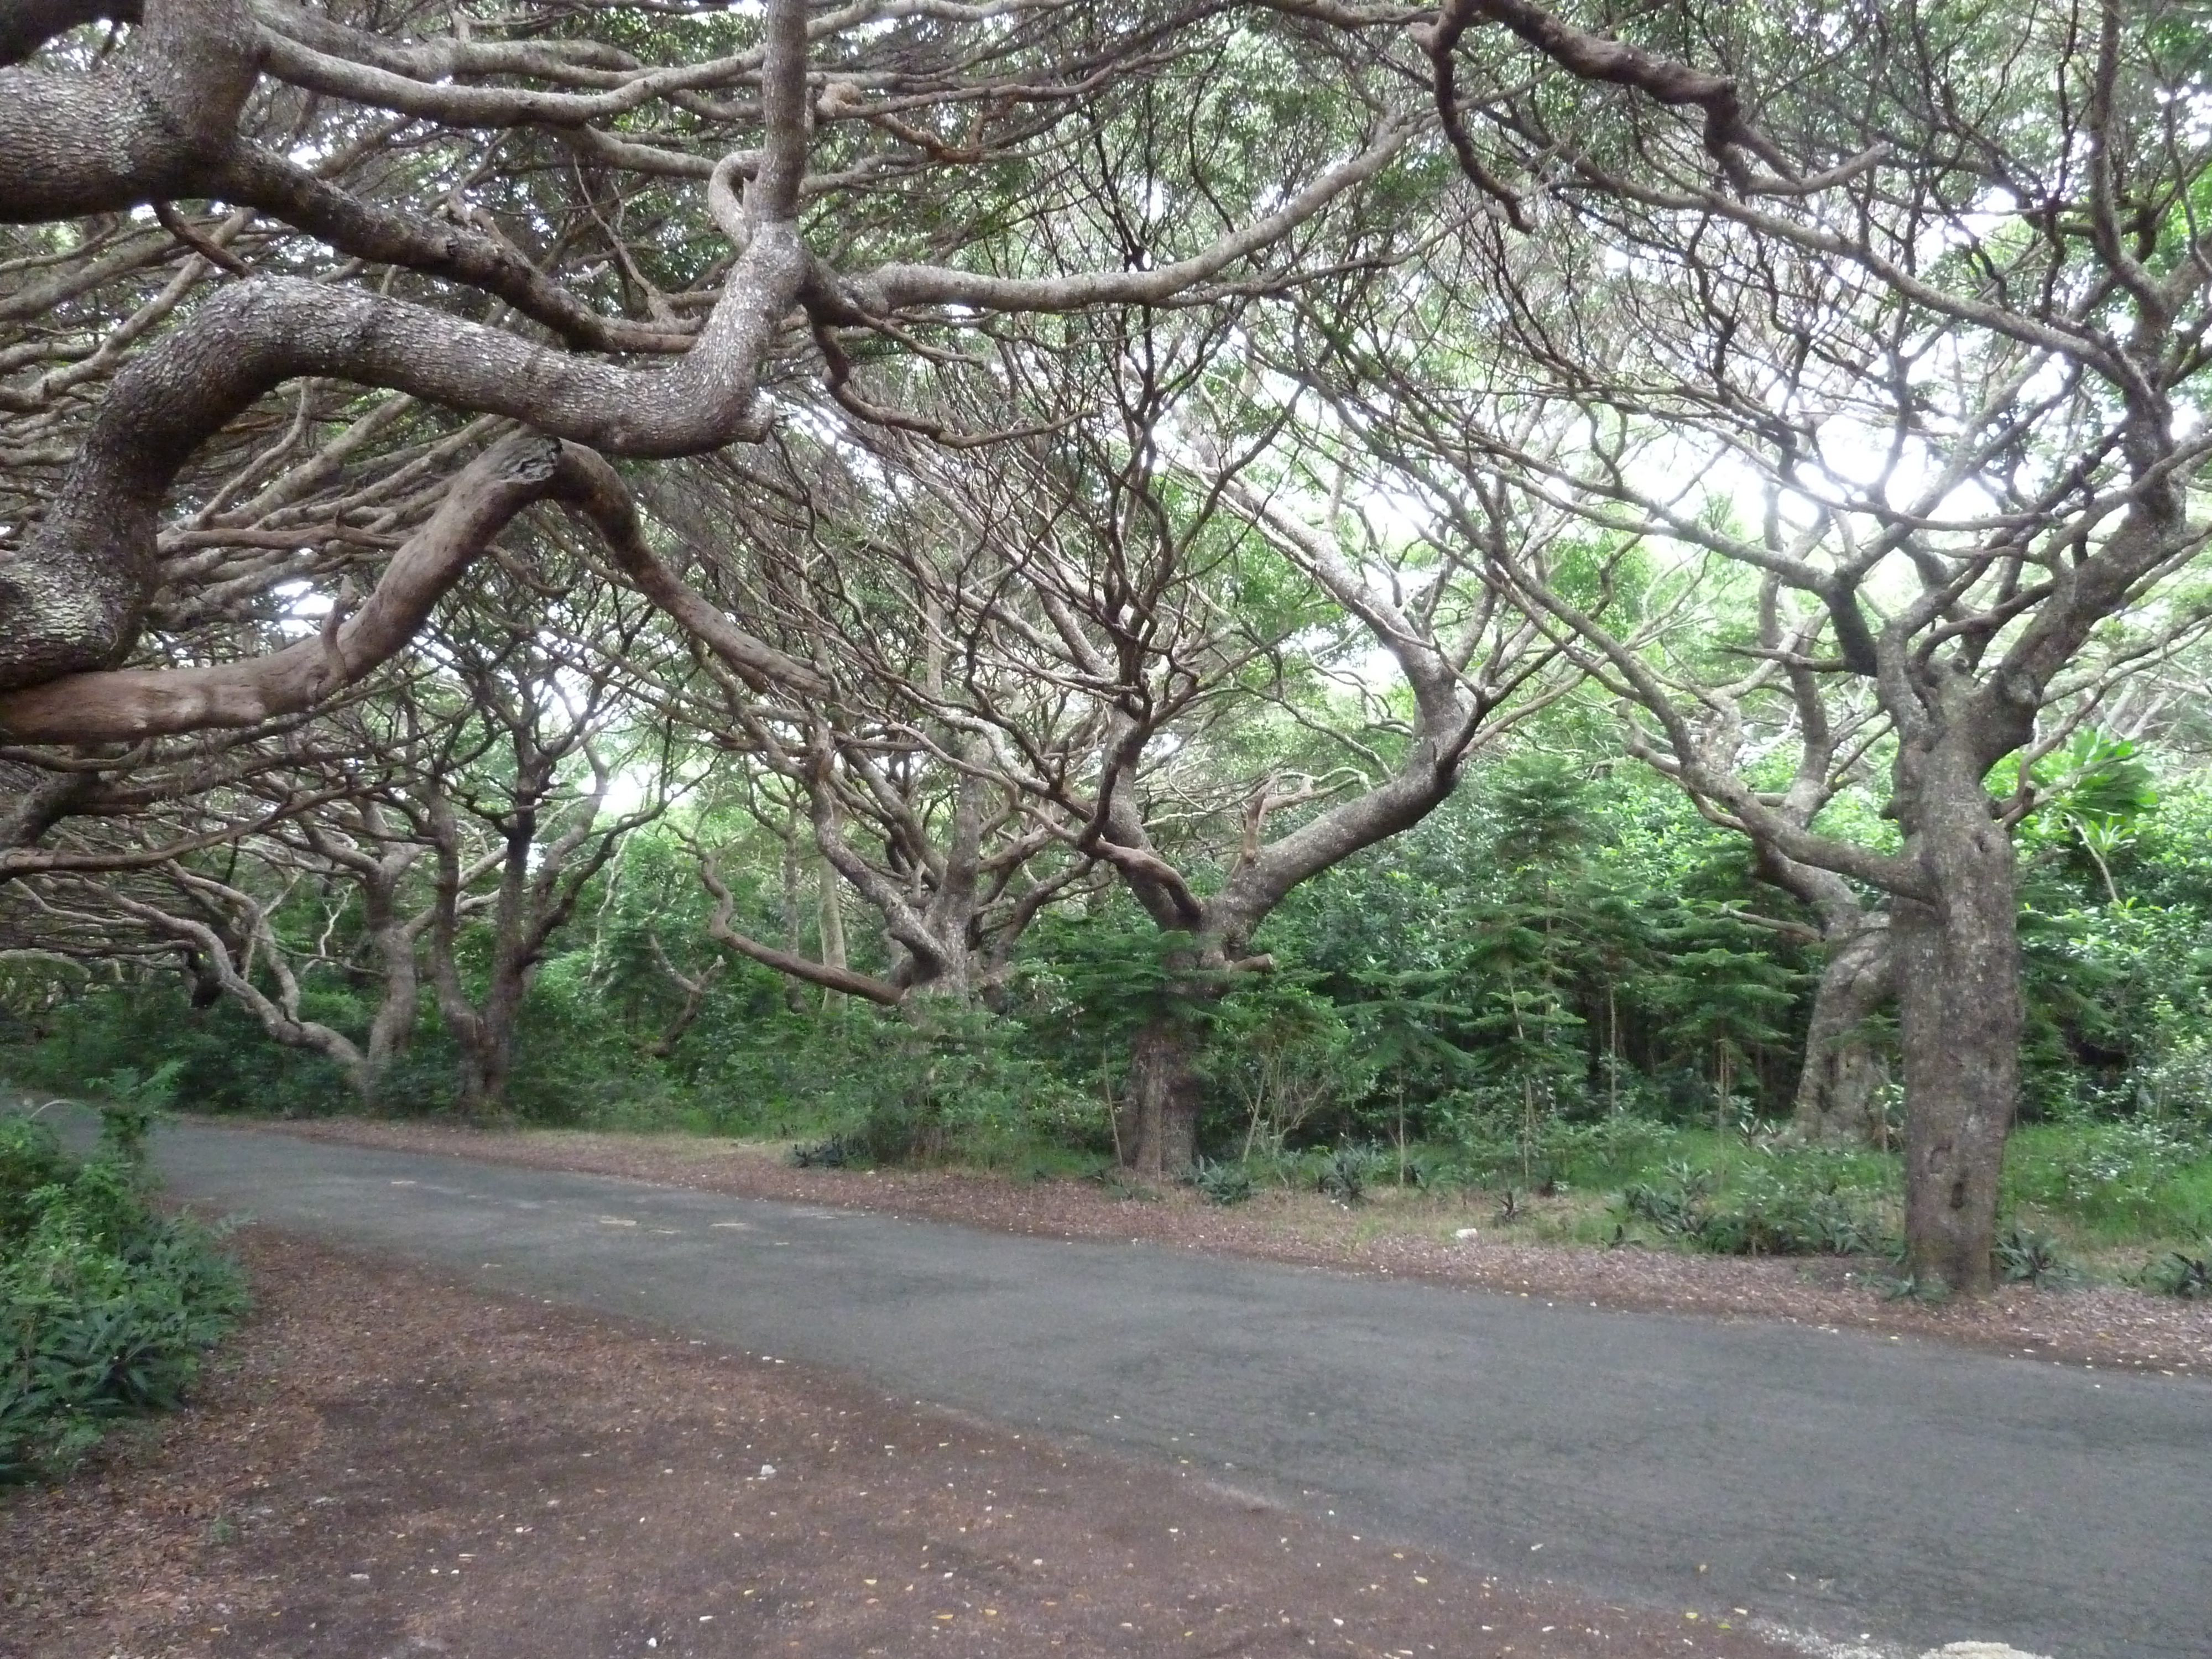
<point x="832" y="908"/>
<point x="795" y="994"/>
<point x="1958" y="998"/>
<point x="393" y="939"/>
<point x="522" y="920"/>
<point x="485" y="1060"/>
<point x="1159" y="1119"/>
<point x="488" y="1058"/>
<point x="228" y="962"/>
<point x="1839" y="1091"/>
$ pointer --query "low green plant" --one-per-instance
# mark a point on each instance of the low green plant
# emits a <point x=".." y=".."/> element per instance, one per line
<point x="1436" y="1171"/>
<point x="1675" y="1204"/>
<point x="1346" y="1174"/>
<point x="2024" y="1256"/>
<point x="130" y="1103"/>
<point x="1782" y="1205"/>
<point x="2136" y="1179"/>
<point x="2179" y="1273"/>
<point x="105" y="1306"/>
<point x="1221" y="1181"/>
<point x="833" y="1152"/>
<point x="30" y="1161"/>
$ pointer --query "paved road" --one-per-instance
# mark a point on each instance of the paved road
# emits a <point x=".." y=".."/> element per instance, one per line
<point x="1846" y="1484"/>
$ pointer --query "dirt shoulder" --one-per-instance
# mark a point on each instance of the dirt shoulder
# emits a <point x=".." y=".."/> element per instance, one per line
<point x="384" y="1462"/>
<point x="1411" y="1238"/>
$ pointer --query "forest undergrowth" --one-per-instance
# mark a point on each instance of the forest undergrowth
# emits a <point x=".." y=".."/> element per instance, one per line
<point x="107" y="1304"/>
<point x="1553" y="1010"/>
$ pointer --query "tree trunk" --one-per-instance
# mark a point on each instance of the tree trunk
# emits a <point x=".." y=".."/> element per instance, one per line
<point x="488" y="1055"/>
<point x="397" y="1012"/>
<point x="482" y="1085"/>
<point x="1840" y="1091"/>
<point x="1158" y="1122"/>
<point x="487" y="1065"/>
<point x="794" y="929"/>
<point x="398" y="1007"/>
<point x="833" y="927"/>
<point x="1959" y="1003"/>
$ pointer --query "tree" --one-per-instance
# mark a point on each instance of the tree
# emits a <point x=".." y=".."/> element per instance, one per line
<point x="513" y="787"/>
<point x="832" y="157"/>
<point x="1171" y="584"/>
<point x="1932" y="288"/>
<point x="848" y="551"/>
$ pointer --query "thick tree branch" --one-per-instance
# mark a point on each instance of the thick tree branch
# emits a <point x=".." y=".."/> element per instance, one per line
<point x="144" y="126"/>
<point x="864" y="986"/>
<point x="116" y="705"/>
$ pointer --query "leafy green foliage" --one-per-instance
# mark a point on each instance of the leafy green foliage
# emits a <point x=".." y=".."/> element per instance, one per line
<point x="2024" y="1256"/>
<point x="946" y="1082"/>
<point x="105" y="1307"/>
<point x="1793" y="1206"/>
<point x="1346" y="1173"/>
<point x="31" y="1161"/>
<point x="1222" y="1182"/>
<point x="221" y="1060"/>
<point x="1283" y="1057"/>
<point x="130" y="1104"/>
<point x="2131" y="1178"/>
<point x="2179" y="1273"/>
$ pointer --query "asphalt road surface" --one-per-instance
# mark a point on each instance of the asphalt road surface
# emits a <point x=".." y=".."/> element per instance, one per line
<point x="1847" y="1484"/>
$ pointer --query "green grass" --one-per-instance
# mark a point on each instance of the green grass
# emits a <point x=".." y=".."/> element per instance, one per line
<point x="2111" y="1196"/>
<point x="2106" y="1187"/>
<point x="2110" y="1193"/>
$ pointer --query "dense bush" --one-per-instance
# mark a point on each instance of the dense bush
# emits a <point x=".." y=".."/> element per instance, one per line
<point x="1791" y="1205"/>
<point x="2128" y="1178"/>
<point x="2179" y="1273"/>
<point x="220" y="1060"/>
<point x="105" y="1306"/>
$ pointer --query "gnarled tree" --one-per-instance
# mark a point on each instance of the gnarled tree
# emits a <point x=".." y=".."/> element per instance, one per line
<point x="1934" y="287"/>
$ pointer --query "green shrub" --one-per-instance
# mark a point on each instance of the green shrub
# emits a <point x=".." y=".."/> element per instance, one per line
<point x="954" y="1082"/>
<point x="1786" y="1207"/>
<point x="216" y="1059"/>
<point x="1346" y="1174"/>
<point x="2024" y="1256"/>
<point x="1441" y="1170"/>
<point x="130" y="1104"/>
<point x="835" y="1153"/>
<point x="30" y="1160"/>
<point x="1676" y="1204"/>
<point x="1221" y="1182"/>
<point x="2138" y="1178"/>
<point x="2179" y="1273"/>
<point x="105" y="1306"/>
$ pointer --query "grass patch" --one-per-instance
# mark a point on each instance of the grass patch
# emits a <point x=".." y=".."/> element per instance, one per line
<point x="2134" y="1184"/>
